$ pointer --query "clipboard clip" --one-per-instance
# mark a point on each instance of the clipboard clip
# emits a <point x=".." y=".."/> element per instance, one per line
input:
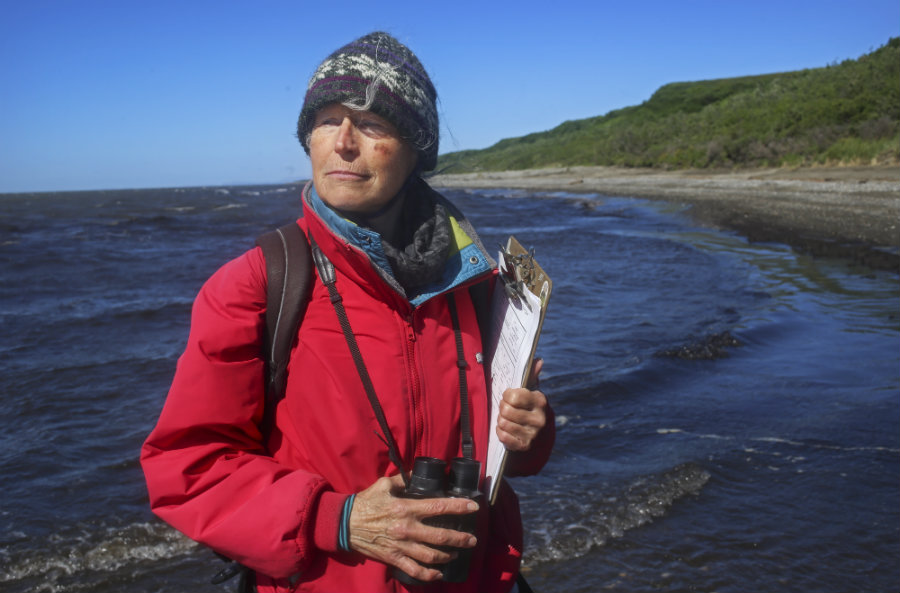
<point x="517" y="273"/>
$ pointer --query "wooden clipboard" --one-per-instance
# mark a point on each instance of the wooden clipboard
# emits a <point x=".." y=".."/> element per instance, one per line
<point x="518" y="309"/>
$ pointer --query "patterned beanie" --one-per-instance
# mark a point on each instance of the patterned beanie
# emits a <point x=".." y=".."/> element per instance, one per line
<point x="378" y="73"/>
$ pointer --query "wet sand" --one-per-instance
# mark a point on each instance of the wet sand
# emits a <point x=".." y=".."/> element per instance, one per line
<point x="844" y="211"/>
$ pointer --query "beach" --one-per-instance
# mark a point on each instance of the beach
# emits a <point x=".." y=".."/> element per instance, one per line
<point x="851" y="211"/>
<point x="714" y="397"/>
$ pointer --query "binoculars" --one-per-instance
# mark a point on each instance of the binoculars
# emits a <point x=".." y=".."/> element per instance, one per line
<point x="428" y="480"/>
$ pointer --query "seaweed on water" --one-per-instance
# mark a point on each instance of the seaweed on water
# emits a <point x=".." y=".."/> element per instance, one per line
<point x="709" y="348"/>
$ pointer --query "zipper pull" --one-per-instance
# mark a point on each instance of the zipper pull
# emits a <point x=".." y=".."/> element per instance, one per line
<point x="410" y="328"/>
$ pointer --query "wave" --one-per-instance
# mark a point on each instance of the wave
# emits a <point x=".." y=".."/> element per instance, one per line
<point x="62" y="556"/>
<point x="87" y="309"/>
<point x="810" y="444"/>
<point x="124" y="363"/>
<point x="572" y="523"/>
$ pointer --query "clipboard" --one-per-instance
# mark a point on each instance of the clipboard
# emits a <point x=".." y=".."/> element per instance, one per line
<point x="518" y="309"/>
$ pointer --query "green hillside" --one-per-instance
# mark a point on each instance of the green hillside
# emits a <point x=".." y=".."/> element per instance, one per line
<point x="843" y="113"/>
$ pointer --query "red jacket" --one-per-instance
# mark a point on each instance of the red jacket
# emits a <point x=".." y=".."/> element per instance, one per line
<point x="274" y="506"/>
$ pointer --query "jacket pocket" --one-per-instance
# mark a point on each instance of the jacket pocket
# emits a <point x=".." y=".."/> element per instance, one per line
<point x="503" y="555"/>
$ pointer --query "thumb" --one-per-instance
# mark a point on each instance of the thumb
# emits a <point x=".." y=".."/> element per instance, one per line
<point x="534" y="377"/>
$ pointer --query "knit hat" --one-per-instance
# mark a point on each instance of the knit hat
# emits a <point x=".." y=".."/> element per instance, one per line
<point x="378" y="73"/>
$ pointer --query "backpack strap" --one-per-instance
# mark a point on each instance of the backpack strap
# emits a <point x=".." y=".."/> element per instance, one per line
<point x="288" y="285"/>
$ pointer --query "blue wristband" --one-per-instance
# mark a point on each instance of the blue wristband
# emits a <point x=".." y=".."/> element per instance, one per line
<point x="344" y="526"/>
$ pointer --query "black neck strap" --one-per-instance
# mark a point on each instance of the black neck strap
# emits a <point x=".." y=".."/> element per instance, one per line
<point x="468" y="445"/>
<point x="329" y="279"/>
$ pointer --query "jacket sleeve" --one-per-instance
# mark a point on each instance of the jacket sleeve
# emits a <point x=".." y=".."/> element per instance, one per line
<point x="207" y="472"/>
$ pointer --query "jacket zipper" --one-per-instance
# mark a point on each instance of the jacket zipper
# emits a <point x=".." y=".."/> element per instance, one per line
<point x="414" y="379"/>
<point x="415" y="386"/>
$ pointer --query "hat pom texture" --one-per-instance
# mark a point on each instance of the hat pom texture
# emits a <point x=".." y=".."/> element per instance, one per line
<point x="377" y="73"/>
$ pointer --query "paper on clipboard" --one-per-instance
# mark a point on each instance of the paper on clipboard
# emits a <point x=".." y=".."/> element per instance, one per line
<point x="517" y="314"/>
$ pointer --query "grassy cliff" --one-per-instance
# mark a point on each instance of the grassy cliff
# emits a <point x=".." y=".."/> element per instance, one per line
<point x="847" y="113"/>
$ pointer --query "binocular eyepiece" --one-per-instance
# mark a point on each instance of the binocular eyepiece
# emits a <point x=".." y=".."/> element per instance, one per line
<point x="429" y="480"/>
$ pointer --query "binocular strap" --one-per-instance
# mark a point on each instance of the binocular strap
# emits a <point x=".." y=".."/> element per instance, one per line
<point x="329" y="279"/>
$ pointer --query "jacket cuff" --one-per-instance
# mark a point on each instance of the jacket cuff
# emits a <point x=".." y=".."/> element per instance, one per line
<point x="327" y="521"/>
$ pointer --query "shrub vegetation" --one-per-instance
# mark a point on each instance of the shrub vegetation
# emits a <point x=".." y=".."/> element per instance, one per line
<point x="844" y="113"/>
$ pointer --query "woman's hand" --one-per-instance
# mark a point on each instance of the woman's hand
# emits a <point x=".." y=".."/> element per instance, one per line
<point x="389" y="529"/>
<point x="523" y="413"/>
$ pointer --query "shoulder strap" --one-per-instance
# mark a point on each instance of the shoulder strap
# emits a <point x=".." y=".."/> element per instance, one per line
<point x="289" y="275"/>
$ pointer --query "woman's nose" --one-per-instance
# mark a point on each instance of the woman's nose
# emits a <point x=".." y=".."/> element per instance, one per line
<point x="345" y="140"/>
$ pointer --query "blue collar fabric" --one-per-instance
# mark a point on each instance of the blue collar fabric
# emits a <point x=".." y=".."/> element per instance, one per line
<point x="364" y="239"/>
<point x="461" y="266"/>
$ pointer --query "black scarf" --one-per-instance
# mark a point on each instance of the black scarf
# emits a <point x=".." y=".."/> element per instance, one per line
<point x="424" y="239"/>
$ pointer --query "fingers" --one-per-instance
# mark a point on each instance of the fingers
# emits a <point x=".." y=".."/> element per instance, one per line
<point x="521" y="417"/>
<point x="412" y="517"/>
<point x="516" y="437"/>
<point x="394" y="530"/>
<point x="417" y="571"/>
<point x="435" y="507"/>
<point x="522" y="400"/>
<point x="423" y="556"/>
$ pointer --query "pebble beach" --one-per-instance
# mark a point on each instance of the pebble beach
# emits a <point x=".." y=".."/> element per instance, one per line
<point x="839" y="210"/>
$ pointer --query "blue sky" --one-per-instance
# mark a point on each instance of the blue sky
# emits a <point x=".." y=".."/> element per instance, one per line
<point x="123" y="94"/>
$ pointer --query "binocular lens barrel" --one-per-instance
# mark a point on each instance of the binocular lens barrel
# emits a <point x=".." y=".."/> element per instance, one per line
<point x="428" y="481"/>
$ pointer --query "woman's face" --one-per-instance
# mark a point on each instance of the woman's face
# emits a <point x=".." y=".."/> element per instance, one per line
<point x="359" y="161"/>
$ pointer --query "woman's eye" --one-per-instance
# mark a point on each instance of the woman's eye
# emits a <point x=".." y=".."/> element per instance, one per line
<point x="372" y="127"/>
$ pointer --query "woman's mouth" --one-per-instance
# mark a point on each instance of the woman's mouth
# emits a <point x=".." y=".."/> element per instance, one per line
<point x="346" y="175"/>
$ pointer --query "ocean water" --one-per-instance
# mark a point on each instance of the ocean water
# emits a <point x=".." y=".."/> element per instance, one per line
<point x="728" y="412"/>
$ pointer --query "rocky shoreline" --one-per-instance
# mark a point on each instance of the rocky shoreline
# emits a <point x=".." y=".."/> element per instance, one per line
<point x="843" y="211"/>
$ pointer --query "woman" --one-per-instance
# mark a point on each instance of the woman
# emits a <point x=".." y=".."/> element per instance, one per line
<point x="313" y="504"/>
